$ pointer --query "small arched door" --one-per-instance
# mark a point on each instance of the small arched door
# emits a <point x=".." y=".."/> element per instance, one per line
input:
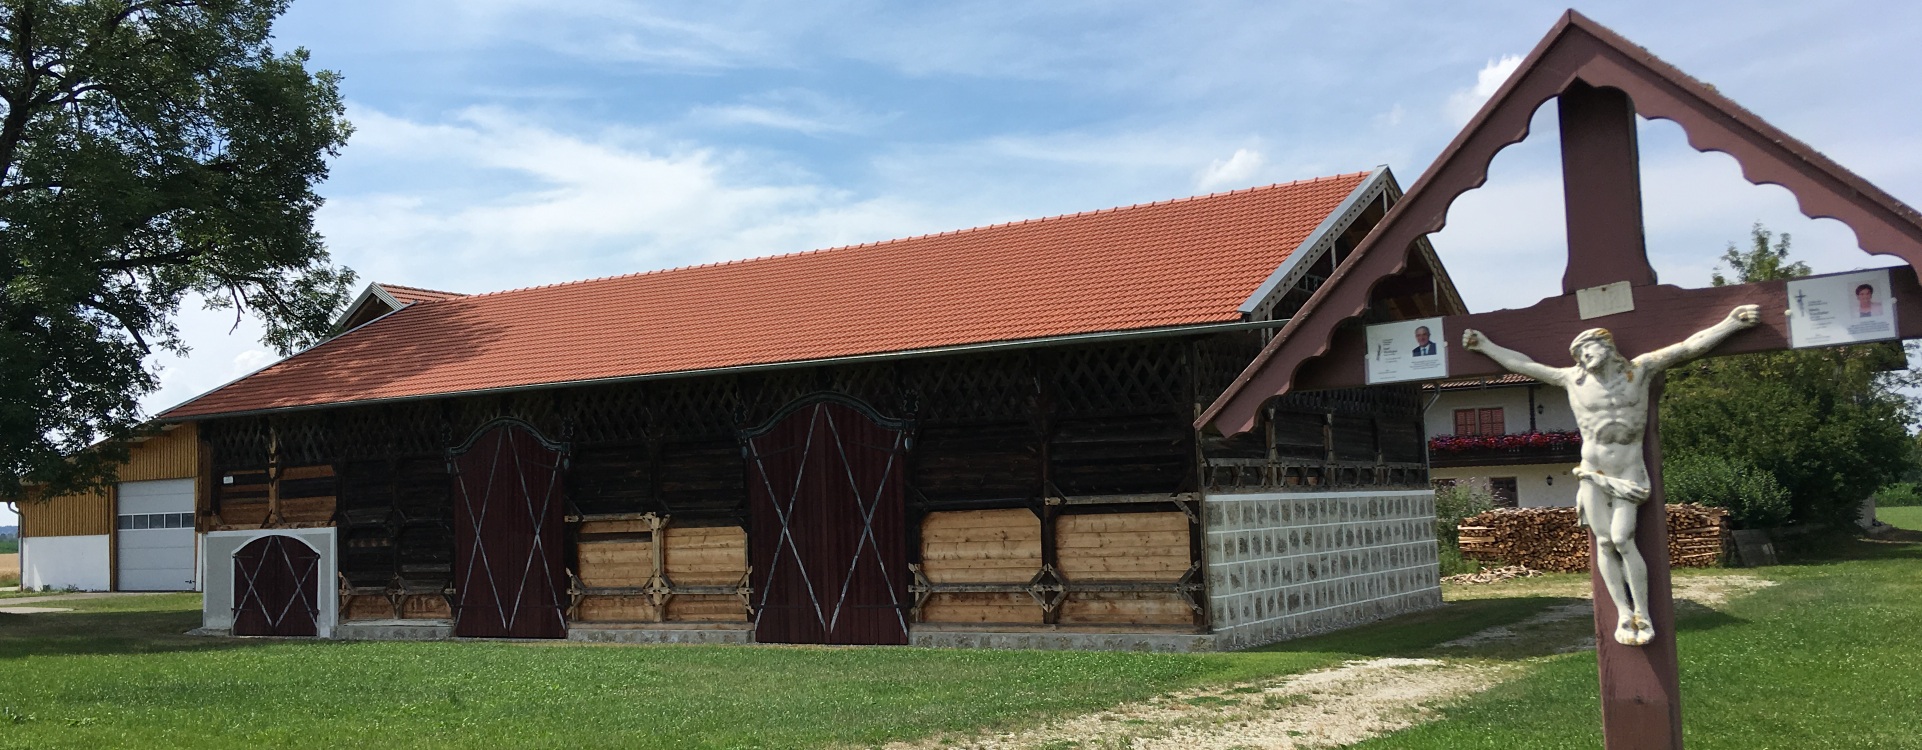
<point x="509" y="502"/>
<point x="828" y="544"/>
<point x="276" y="588"/>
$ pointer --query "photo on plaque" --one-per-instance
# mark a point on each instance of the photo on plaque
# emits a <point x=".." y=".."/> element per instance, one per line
<point x="1845" y="308"/>
<point x="1407" y="350"/>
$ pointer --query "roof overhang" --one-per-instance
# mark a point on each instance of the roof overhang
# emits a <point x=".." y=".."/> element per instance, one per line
<point x="976" y="348"/>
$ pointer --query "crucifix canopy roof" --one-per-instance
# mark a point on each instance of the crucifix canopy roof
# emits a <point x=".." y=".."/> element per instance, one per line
<point x="1576" y="53"/>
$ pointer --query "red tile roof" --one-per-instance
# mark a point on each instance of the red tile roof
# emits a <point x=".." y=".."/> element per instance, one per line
<point x="408" y="295"/>
<point x="1179" y="262"/>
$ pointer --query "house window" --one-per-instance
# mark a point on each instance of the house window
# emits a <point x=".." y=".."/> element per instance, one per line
<point x="1480" y="422"/>
<point x="1503" y="488"/>
<point x="134" y="521"/>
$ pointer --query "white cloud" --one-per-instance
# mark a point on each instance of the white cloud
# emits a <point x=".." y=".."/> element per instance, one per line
<point x="489" y="200"/>
<point x="799" y="110"/>
<point x="1236" y="171"/>
<point x="1463" y="104"/>
<point x="251" y="360"/>
<point x="1393" y="117"/>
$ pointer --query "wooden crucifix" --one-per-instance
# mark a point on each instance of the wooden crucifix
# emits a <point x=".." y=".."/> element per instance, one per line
<point x="1601" y="82"/>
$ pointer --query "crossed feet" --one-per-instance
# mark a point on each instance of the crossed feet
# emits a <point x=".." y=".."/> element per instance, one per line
<point x="1634" y="630"/>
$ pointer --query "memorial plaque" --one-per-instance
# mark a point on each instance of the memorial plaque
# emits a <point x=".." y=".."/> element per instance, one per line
<point x="1844" y="308"/>
<point x="1407" y="350"/>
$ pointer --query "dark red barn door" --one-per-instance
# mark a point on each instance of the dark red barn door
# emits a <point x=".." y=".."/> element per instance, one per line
<point x="508" y="509"/>
<point x="276" y="587"/>
<point x="829" y="543"/>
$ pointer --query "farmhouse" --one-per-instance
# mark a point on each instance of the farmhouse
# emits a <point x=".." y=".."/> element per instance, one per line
<point x="1515" y="433"/>
<point x="982" y="437"/>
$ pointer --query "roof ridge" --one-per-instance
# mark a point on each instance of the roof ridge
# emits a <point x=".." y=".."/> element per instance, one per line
<point x="897" y="240"/>
<point x="386" y="285"/>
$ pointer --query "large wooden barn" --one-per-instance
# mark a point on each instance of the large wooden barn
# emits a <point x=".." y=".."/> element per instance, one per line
<point x="981" y="437"/>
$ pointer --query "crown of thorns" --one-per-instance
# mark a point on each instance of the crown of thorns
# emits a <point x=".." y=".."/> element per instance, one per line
<point x="1593" y="334"/>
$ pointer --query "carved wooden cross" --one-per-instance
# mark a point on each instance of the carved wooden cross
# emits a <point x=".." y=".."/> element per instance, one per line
<point x="1593" y="73"/>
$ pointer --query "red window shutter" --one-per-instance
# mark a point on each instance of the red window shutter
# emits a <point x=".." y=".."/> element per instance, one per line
<point x="1465" y="422"/>
<point x="1492" y="423"/>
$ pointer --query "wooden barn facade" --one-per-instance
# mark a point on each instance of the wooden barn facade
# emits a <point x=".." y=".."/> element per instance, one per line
<point x="975" y="438"/>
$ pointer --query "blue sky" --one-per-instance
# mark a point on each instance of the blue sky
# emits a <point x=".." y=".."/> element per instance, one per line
<point x="504" y="143"/>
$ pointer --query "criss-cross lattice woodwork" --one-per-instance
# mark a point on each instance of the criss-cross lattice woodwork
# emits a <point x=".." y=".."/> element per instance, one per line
<point x="828" y="535"/>
<point x="276" y="588"/>
<point x="695" y="408"/>
<point x="237" y="443"/>
<point x="508" y="499"/>
<point x="876" y="384"/>
<point x="609" y="413"/>
<point x="304" y="438"/>
<point x="1132" y="378"/>
<point x="972" y="390"/>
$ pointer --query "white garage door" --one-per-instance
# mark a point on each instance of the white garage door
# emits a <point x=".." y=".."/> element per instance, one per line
<point x="156" y="535"/>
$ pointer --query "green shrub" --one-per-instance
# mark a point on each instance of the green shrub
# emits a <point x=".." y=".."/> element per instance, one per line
<point x="1753" y="497"/>
<point x="1454" y="502"/>
<point x="1899" y="495"/>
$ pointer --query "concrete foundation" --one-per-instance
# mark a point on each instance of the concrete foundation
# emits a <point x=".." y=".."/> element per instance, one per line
<point x="394" y="630"/>
<point x="1059" y="640"/>
<point x="1288" y="564"/>
<point x="661" y="635"/>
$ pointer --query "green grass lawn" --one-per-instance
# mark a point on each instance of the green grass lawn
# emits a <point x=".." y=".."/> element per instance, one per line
<point x="116" y="673"/>
<point x="1828" y="658"/>
<point x="1902" y="518"/>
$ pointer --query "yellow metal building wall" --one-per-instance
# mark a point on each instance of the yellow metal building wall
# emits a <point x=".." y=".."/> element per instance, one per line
<point x="174" y="454"/>
<point x="68" y="515"/>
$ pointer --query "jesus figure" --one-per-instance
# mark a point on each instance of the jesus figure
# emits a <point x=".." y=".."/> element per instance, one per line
<point x="1609" y="395"/>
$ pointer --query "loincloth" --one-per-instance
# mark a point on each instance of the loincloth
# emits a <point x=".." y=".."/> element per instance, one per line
<point x="1616" y="487"/>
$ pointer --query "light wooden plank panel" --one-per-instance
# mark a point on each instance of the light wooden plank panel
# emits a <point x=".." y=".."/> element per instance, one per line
<point x="368" y="608"/>
<point x="615" y="609"/>
<point x="1137" y="540"/>
<point x="966" y="574"/>
<point x="706" y="556"/>
<point x="615" y="527"/>
<point x="979" y="608"/>
<point x="1125" y="609"/>
<point x="706" y="608"/>
<point x="616" y="564"/>
<point x="1006" y="518"/>
<point x="1096" y="522"/>
<point x="426" y="607"/>
<point x="1123" y="546"/>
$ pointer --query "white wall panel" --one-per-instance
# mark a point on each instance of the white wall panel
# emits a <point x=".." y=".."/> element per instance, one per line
<point x="63" y="561"/>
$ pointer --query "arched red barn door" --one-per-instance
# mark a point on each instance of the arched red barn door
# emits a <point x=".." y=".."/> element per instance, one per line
<point x="509" y="499"/>
<point x="276" y="587"/>
<point x="828" y="543"/>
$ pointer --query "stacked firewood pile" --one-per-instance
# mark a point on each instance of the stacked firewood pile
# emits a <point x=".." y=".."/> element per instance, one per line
<point x="1548" y="539"/>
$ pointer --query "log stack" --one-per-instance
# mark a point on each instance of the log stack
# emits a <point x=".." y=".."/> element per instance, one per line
<point x="1549" y="539"/>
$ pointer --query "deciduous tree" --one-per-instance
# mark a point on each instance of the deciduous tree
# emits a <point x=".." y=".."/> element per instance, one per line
<point x="150" y="150"/>
<point x="1832" y="425"/>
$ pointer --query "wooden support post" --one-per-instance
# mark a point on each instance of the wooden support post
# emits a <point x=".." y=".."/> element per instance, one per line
<point x="1640" y="685"/>
<point x="273" y="477"/>
<point x="1601" y="190"/>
